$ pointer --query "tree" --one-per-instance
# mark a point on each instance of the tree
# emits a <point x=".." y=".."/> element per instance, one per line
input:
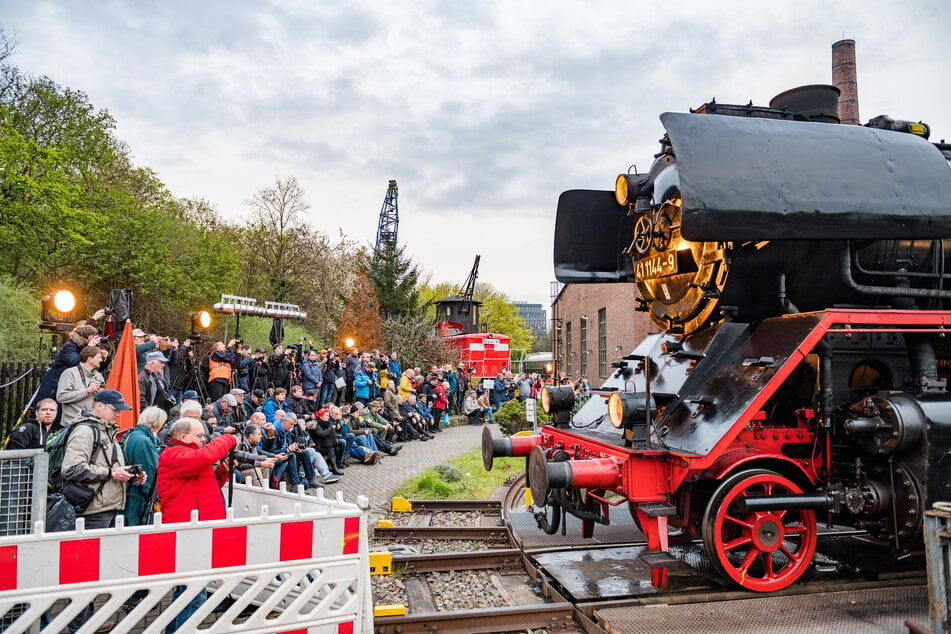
<point x="272" y="239"/>
<point x="413" y="337"/>
<point x="497" y="314"/>
<point x="396" y="280"/>
<point x="361" y="316"/>
<point x="286" y="260"/>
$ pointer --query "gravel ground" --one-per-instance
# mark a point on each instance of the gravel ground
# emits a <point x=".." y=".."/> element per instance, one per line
<point x="430" y="546"/>
<point x="443" y="518"/>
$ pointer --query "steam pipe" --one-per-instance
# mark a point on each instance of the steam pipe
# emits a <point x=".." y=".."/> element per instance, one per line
<point x="888" y="291"/>
<point x="802" y="501"/>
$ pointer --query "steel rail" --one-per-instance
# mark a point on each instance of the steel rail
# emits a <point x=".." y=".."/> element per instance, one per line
<point x="550" y="616"/>
<point x="494" y="506"/>
<point x="488" y="533"/>
<point x="500" y="559"/>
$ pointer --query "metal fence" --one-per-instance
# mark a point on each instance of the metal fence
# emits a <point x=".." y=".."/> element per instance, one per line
<point x="23" y="477"/>
<point x="19" y="380"/>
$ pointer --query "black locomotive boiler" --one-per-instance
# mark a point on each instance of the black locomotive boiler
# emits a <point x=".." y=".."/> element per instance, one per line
<point x="796" y="270"/>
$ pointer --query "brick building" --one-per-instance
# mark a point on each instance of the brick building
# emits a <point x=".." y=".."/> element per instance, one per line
<point x="594" y="325"/>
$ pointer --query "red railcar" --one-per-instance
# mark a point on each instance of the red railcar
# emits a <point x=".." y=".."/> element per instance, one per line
<point x="484" y="354"/>
<point x="796" y="270"/>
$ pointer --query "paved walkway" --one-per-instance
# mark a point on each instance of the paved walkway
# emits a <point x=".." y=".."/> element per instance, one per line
<point x="379" y="481"/>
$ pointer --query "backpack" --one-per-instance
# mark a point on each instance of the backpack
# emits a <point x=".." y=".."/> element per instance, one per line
<point x="56" y="448"/>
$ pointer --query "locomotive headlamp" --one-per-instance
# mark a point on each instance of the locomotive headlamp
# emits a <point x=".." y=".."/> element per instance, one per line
<point x="557" y="399"/>
<point x="629" y="187"/>
<point x="625" y="409"/>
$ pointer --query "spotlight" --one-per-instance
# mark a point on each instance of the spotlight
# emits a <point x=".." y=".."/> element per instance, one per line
<point x="349" y="342"/>
<point x="201" y="322"/>
<point x="57" y="310"/>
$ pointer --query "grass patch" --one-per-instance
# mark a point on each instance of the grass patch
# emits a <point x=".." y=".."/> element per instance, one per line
<point x="476" y="483"/>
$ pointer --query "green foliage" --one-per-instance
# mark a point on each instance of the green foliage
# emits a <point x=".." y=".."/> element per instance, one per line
<point x="255" y="331"/>
<point x="413" y="338"/>
<point x="19" y="315"/>
<point x="476" y="483"/>
<point x="396" y="280"/>
<point x="511" y="417"/>
<point x="434" y="485"/>
<point x="497" y="314"/>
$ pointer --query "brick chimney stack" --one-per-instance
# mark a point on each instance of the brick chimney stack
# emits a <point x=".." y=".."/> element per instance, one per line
<point x="845" y="79"/>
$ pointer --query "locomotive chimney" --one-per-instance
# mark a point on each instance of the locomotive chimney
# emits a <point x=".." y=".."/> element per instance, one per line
<point x="845" y="79"/>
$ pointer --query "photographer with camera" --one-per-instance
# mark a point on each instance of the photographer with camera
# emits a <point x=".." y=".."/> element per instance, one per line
<point x="280" y="368"/>
<point x="78" y="385"/>
<point x="244" y="361"/>
<point x="219" y="369"/>
<point x="259" y="372"/>
<point x="153" y="389"/>
<point x="180" y="368"/>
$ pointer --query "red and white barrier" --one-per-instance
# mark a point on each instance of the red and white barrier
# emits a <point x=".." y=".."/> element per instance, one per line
<point x="305" y="569"/>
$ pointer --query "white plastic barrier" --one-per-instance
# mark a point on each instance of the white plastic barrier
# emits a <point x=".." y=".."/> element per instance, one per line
<point x="305" y="569"/>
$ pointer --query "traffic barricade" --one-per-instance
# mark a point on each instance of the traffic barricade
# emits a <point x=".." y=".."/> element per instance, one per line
<point x="281" y="561"/>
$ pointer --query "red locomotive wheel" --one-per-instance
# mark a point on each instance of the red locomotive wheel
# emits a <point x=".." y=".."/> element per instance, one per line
<point x="762" y="551"/>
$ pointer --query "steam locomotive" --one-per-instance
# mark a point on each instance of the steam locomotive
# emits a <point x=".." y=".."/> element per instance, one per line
<point x="796" y="271"/>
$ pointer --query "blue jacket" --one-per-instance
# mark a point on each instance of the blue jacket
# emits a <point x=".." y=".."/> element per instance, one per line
<point x="272" y="406"/>
<point x="310" y="378"/>
<point x="393" y="367"/>
<point x="361" y="383"/>
<point x="283" y="438"/>
<point x="67" y="357"/>
<point x="498" y="391"/>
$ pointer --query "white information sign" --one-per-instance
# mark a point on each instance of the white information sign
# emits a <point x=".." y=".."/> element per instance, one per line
<point x="530" y="411"/>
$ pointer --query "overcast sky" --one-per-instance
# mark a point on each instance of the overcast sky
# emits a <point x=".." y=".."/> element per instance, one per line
<point x="483" y="111"/>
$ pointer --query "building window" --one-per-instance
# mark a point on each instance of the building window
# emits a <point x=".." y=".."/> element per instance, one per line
<point x="584" y="346"/>
<point x="603" y="343"/>
<point x="568" y="349"/>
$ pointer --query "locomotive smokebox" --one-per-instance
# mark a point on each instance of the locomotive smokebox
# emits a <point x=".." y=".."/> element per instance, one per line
<point x="816" y="102"/>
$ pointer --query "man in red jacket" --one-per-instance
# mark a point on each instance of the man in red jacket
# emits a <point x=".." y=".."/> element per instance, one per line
<point x="186" y="480"/>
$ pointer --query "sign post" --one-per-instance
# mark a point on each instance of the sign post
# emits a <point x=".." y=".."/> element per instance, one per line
<point x="530" y="413"/>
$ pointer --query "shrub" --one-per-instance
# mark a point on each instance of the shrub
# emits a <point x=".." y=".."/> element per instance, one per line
<point x="511" y="417"/>
<point x="448" y="472"/>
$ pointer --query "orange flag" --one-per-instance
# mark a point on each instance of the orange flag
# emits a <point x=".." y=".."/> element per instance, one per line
<point x="124" y="377"/>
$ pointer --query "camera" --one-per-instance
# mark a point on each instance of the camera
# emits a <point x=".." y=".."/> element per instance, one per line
<point x="134" y="469"/>
<point x="108" y="311"/>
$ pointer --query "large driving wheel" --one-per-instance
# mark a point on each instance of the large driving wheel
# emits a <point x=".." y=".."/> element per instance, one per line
<point x="762" y="551"/>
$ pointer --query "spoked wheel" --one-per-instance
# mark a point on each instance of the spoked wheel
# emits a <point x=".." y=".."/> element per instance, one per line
<point x="764" y="550"/>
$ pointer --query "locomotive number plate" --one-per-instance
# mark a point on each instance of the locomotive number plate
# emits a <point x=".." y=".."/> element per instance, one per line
<point x="660" y="265"/>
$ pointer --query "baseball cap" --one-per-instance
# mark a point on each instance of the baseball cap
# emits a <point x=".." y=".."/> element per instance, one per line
<point x="138" y="332"/>
<point x="190" y="395"/>
<point x="111" y="397"/>
<point x="155" y="356"/>
<point x="259" y="349"/>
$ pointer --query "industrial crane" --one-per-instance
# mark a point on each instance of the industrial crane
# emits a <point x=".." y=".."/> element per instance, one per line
<point x="389" y="221"/>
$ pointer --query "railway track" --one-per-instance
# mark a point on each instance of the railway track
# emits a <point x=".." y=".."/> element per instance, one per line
<point x="540" y="602"/>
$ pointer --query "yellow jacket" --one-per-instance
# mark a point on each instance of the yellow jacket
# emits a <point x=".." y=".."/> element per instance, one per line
<point x="406" y="387"/>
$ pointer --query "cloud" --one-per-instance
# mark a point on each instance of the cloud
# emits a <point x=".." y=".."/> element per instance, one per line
<point x="484" y="111"/>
